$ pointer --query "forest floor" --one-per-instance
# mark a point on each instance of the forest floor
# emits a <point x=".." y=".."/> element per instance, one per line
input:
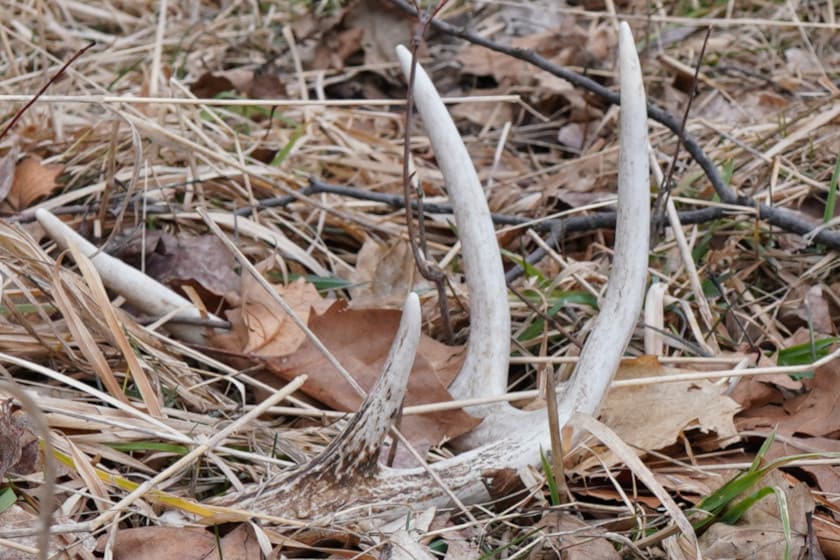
<point x="284" y="124"/>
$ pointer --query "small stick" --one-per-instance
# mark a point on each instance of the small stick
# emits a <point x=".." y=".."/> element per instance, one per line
<point x="418" y="248"/>
<point x="41" y="91"/>
<point x="665" y="187"/>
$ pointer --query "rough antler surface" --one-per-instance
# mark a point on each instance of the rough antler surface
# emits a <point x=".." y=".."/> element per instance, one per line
<point x="346" y="480"/>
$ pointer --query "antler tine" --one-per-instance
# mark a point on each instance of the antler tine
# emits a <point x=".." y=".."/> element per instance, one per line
<point x="485" y="368"/>
<point x="138" y="289"/>
<point x="346" y="472"/>
<point x="622" y="303"/>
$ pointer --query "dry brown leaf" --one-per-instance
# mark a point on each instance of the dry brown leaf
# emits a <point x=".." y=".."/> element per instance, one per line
<point x="479" y="61"/>
<point x="828" y="535"/>
<point x="201" y="261"/>
<point x="240" y="544"/>
<point x="151" y="543"/>
<point x="804" y="423"/>
<point x="584" y="181"/>
<point x="384" y="275"/>
<point x="577" y="539"/>
<point x="209" y="85"/>
<point x="653" y="416"/>
<point x="813" y="413"/>
<point x="759" y="390"/>
<point x="32" y="180"/>
<point x="484" y="114"/>
<point x="186" y="543"/>
<point x="266" y="329"/>
<point x="16" y="517"/>
<point x="461" y="550"/>
<point x="610" y="494"/>
<point x="266" y="83"/>
<point x="262" y="83"/>
<point x="817" y="312"/>
<point x="505" y="488"/>
<point x="360" y="340"/>
<point x="18" y="443"/>
<point x="758" y="534"/>
<point x="336" y="48"/>
<point x="384" y="27"/>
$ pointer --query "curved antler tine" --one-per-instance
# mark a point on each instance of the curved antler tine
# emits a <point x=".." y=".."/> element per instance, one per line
<point x="363" y="436"/>
<point x="485" y="368"/>
<point x="622" y="303"/>
<point x="138" y="289"/>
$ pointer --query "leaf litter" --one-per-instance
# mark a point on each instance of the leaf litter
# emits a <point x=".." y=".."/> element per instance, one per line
<point x="774" y="293"/>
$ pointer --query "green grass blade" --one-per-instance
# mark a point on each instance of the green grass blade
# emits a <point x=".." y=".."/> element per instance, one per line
<point x="7" y="499"/>
<point x="831" y="201"/>
<point x="723" y="496"/>
<point x="530" y="270"/>
<point x="734" y="513"/>
<point x="284" y="152"/>
<point x="549" y="478"/>
<point x="150" y="446"/>
<point x="765" y="447"/>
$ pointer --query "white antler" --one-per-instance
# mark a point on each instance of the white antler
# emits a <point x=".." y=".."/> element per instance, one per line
<point x="508" y="437"/>
<point x="485" y="368"/>
<point x="346" y="474"/>
<point x="138" y="289"/>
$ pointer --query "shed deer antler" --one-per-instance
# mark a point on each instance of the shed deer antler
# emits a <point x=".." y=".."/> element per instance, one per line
<point x="347" y="475"/>
<point x="507" y="437"/>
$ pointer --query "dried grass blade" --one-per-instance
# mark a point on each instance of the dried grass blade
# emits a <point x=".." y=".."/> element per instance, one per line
<point x="632" y="461"/>
<point x="94" y="282"/>
<point x="88" y="474"/>
<point x="85" y="340"/>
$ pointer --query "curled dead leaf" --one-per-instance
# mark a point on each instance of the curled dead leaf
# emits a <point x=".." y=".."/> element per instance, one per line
<point x="651" y="417"/>
<point x="33" y="179"/>
<point x="18" y="443"/>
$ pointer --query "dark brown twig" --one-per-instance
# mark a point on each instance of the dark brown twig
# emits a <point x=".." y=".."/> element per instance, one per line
<point x="418" y="245"/>
<point x="41" y="91"/>
<point x="665" y="188"/>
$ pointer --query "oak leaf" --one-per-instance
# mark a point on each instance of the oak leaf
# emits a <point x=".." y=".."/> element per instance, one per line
<point x="32" y="180"/>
